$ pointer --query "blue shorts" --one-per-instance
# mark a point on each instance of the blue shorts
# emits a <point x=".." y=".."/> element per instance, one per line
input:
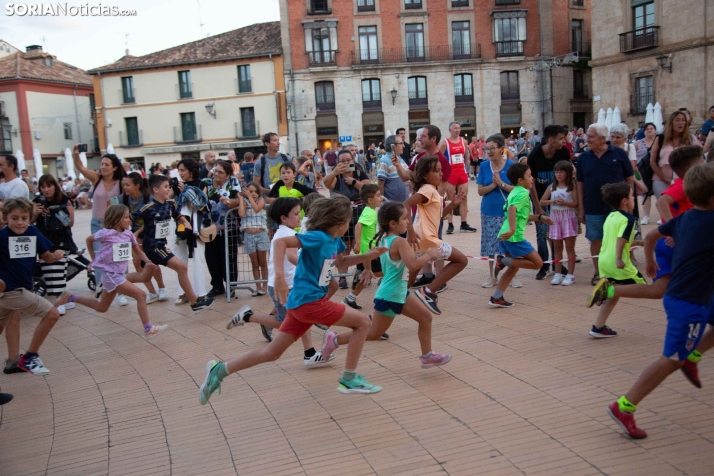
<point x="685" y="325"/>
<point x="593" y="227"/>
<point x="663" y="256"/>
<point x="516" y="249"/>
<point x="158" y="253"/>
<point x="280" y="310"/>
<point x="388" y="308"/>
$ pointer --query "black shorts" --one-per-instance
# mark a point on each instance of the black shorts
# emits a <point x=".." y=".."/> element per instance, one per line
<point x="628" y="281"/>
<point x="376" y="266"/>
<point x="474" y="163"/>
<point x="158" y="253"/>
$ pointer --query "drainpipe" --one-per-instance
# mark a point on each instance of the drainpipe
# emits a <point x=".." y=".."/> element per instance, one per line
<point x="292" y="114"/>
<point x="76" y="114"/>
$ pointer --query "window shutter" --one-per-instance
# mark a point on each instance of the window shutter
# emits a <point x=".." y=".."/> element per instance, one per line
<point x="522" y="29"/>
<point x="333" y="38"/>
<point x="308" y="40"/>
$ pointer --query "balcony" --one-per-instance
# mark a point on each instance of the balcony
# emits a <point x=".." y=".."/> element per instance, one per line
<point x="247" y="132"/>
<point x="131" y="140"/>
<point x="464" y="97"/>
<point x="508" y="49"/>
<point x="244" y="87"/>
<point x="371" y="105"/>
<point x="412" y="5"/>
<point x="507" y="2"/>
<point x="581" y="93"/>
<point x="326" y="107"/>
<point x="184" y="91"/>
<point x="127" y="97"/>
<point x="319" y="7"/>
<point x="186" y="136"/>
<point x="639" y="39"/>
<point x="581" y="45"/>
<point x="638" y="102"/>
<point x="321" y="58"/>
<point x="417" y="101"/>
<point x="415" y="55"/>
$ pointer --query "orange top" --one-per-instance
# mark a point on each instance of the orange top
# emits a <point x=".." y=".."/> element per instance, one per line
<point x="428" y="218"/>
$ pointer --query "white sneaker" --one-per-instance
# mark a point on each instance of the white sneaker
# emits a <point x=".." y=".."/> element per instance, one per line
<point x="69" y="305"/>
<point x="123" y="301"/>
<point x="490" y="282"/>
<point x="62" y="310"/>
<point x="316" y="359"/>
<point x="569" y="280"/>
<point x="557" y="279"/>
<point x="645" y="221"/>
<point x="155" y="330"/>
<point x="151" y="298"/>
<point x="516" y="284"/>
<point x="163" y="295"/>
<point x="660" y="222"/>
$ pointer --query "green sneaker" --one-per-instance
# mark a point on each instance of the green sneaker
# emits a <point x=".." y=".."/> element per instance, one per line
<point x="599" y="294"/>
<point x="211" y="384"/>
<point x="357" y="385"/>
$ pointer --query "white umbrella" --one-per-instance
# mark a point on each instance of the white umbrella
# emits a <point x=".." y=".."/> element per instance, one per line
<point x="110" y="148"/>
<point x="601" y="116"/>
<point x="69" y="163"/>
<point x="20" y="160"/>
<point x="608" y="118"/>
<point x="649" y="117"/>
<point x="658" y="118"/>
<point x="38" y="162"/>
<point x="616" y="116"/>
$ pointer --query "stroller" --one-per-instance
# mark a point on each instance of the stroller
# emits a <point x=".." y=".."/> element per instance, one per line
<point x="77" y="263"/>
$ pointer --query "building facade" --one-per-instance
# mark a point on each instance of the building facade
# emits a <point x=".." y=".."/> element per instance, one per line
<point x="647" y="51"/>
<point x="46" y="105"/>
<point x="220" y="93"/>
<point x="358" y="69"/>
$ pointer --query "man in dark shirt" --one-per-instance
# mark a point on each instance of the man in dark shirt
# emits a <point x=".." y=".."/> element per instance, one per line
<point x="541" y="162"/>
<point x="330" y="160"/>
<point x="407" y="152"/>
<point x="206" y="169"/>
<point x="599" y="165"/>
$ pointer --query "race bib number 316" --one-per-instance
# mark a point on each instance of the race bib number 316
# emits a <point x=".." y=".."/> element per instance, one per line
<point x="162" y="229"/>
<point x="23" y="247"/>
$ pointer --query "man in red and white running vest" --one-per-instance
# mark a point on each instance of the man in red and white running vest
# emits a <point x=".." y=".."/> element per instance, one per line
<point x="456" y="150"/>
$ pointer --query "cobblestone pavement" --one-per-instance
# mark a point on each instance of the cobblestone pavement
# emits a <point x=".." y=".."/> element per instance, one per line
<point x="525" y="392"/>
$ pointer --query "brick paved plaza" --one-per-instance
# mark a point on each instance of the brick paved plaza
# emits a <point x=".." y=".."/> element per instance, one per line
<point x="525" y="392"/>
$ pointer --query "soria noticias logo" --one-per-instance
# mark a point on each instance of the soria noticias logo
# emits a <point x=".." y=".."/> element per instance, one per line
<point x="65" y="10"/>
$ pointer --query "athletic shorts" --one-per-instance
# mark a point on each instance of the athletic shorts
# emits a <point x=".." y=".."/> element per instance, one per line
<point x="280" y="311"/>
<point x="458" y="179"/>
<point x="663" y="256"/>
<point x="639" y="279"/>
<point x="376" y="266"/>
<point x="516" y="249"/>
<point x="388" y="308"/>
<point x="474" y="163"/>
<point x="299" y="320"/>
<point x="445" y="251"/>
<point x="27" y="302"/>
<point x="159" y="254"/>
<point x="255" y="242"/>
<point x="111" y="281"/>
<point x="685" y="325"/>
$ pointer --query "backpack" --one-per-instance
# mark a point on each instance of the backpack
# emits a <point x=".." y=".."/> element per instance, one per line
<point x="262" y="166"/>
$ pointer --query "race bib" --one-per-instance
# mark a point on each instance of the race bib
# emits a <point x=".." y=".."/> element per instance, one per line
<point x="23" y="247"/>
<point x="162" y="229"/>
<point x="328" y="268"/>
<point x="457" y="159"/>
<point x="122" y="252"/>
<point x="405" y="274"/>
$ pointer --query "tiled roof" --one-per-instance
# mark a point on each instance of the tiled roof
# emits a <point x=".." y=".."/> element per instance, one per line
<point x="260" y="39"/>
<point x="31" y="66"/>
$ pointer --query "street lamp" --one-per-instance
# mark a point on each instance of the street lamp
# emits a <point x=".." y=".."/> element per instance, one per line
<point x="210" y="109"/>
<point x="394" y="95"/>
<point x="662" y="61"/>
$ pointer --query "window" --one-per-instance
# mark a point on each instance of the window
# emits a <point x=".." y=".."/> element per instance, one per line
<point x="643" y="16"/>
<point x="463" y="88"/>
<point x="5" y="139"/>
<point x="578" y="84"/>
<point x="365" y="5"/>
<point x="368" y="52"/>
<point x="325" y="96"/>
<point x="578" y="3"/>
<point x="412" y="4"/>
<point x="461" y="39"/>
<point x="132" y="131"/>
<point x="371" y="95"/>
<point x="459" y="3"/>
<point x="319" y="6"/>
<point x="247" y="117"/>
<point x="67" y="130"/>
<point x="185" y="86"/>
<point x="508" y="2"/>
<point x="244" y="85"/>
<point x="415" y="41"/>
<point x="510" y="91"/>
<point x="644" y="94"/>
<point x="644" y="32"/>
<point x="322" y="53"/>
<point x="48" y="61"/>
<point x="127" y="89"/>
<point x="188" y="127"/>
<point x="576" y="33"/>
<point x="509" y="33"/>
<point x="417" y="91"/>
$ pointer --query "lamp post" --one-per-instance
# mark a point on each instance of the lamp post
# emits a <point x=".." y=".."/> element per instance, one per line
<point x="393" y="92"/>
<point x="662" y="62"/>
<point x="210" y="109"/>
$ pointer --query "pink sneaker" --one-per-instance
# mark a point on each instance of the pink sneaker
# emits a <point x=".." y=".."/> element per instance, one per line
<point x="434" y="360"/>
<point x="329" y="345"/>
<point x="626" y="421"/>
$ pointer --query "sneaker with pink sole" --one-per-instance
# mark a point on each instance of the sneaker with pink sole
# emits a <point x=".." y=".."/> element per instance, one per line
<point x="329" y="344"/>
<point x="434" y="360"/>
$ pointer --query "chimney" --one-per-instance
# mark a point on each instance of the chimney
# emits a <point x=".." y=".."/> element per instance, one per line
<point x="33" y="49"/>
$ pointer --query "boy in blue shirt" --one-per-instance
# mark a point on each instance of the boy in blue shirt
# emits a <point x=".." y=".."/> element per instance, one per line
<point x="689" y="291"/>
<point x="20" y="244"/>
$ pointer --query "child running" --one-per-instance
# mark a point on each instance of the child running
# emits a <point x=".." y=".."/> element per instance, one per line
<point x="255" y="242"/>
<point x="425" y="230"/>
<point x="157" y="215"/>
<point x="117" y="245"/>
<point x="563" y="203"/>
<point x="392" y="296"/>
<point x="614" y="264"/>
<point x="688" y="299"/>
<point x="285" y="211"/>
<point x="307" y="304"/>
<point x="517" y="251"/>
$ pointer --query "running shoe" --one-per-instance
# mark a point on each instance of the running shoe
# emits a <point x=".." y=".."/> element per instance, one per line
<point x="516" y="284"/>
<point x="542" y="273"/>
<point x="557" y="279"/>
<point x="122" y="300"/>
<point x="316" y="359"/>
<point x="500" y="302"/>
<point x="466" y="228"/>
<point x="99" y="290"/>
<point x="442" y="288"/>
<point x="498" y="265"/>
<point x="163" y="295"/>
<point x="645" y="220"/>
<point x="69" y="305"/>
<point x="602" y="333"/>
<point x="357" y="385"/>
<point x="238" y="318"/>
<point x="434" y="360"/>
<point x="33" y="365"/>
<point x="215" y="292"/>
<point x="343" y="283"/>
<point x="430" y="299"/>
<point x="329" y="344"/>
<point x="385" y="336"/>
<point x="62" y="310"/>
<point x="626" y="420"/>
<point x="355" y="278"/>
<point x="599" y="293"/>
<point x="569" y="280"/>
<point x="210" y="384"/>
<point x="201" y="304"/>
<point x="155" y="330"/>
<point x="5" y="398"/>
<point x="490" y="282"/>
<point x="691" y="371"/>
<point x="423" y="280"/>
<point x="267" y="332"/>
<point x="152" y="298"/>
<point x="11" y="365"/>
<point x="352" y="303"/>
<point x="450" y="229"/>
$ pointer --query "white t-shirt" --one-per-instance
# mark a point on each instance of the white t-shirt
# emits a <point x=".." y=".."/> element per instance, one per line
<point x="15" y="188"/>
<point x="289" y="268"/>
<point x="563" y="193"/>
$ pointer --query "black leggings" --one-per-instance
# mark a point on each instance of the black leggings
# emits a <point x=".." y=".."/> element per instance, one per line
<point x="216" y="260"/>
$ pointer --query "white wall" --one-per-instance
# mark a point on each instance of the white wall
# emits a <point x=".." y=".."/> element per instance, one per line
<point x="10" y="100"/>
<point x="47" y="114"/>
